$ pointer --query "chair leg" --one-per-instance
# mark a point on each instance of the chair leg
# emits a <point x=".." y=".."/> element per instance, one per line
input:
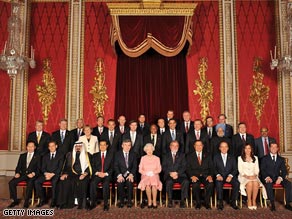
<point x="166" y="199"/>
<point x="32" y="198"/>
<point x="261" y="197"/>
<point x="187" y="202"/>
<point x="191" y="195"/>
<point x="215" y="199"/>
<point x="160" y="197"/>
<point x="240" y="201"/>
<point x="141" y="197"/>
<point x="135" y="197"/>
<point x="284" y="194"/>
<point x="111" y="196"/>
<point x="116" y="196"/>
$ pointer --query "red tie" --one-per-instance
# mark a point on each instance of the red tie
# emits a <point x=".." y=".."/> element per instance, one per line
<point x="122" y="129"/>
<point x="199" y="159"/>
<point x="198" y="136"/>
<point x="243" y="139"/>
<point x="102" y="162"/>
<point x="266" y="147"/>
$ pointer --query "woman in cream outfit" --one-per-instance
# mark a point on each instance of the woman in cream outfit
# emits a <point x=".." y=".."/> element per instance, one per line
<point x="248" y="168"/>
<point x="90" y="141"/>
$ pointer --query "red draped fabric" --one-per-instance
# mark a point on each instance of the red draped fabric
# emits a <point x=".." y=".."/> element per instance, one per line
<point x="97" y="45"/>
<point x="255" y="37"/>
<point x="49" y="37"/>
<point x="4" y="80"/>
<point x="205" y="44"/>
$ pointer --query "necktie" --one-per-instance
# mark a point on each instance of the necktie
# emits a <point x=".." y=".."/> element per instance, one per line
<point x="243" y="139"/>
<point x="152" y="139"/>
<point x="52" y="156"/>
<point x="100" y="131"/>
<point x="126" y="160"/>
<point x="102" y="162"/>
<point x="172" y="135"/>
<point x="199" y="159"/>
<point x="38" y="137"/>
<point x="142" y="126"/>
<point x="111" y="138"/>
<point x="197" y="136"/>
<point x="122" y="129"/>
<point x="224" y="160"/>
<point x="132" y="138"/>
<point x="173" y="157"/>
<point x="79" y="132"/>
<point x="62" y="136"/>
<point x="77" y="165"/>
<point x="28" y="159"/>
<point x="209" y="133"/>
<point x="266" y="147"/>
<point x="187" y="127"/>
<point x="274" y="159"/>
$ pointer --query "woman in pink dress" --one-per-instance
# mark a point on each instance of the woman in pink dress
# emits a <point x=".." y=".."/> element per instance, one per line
<point x="150" y="168"/>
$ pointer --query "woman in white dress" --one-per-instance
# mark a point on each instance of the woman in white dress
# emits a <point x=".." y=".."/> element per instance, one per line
<point x="248" y="168"/>
<point x="90" y="141"/>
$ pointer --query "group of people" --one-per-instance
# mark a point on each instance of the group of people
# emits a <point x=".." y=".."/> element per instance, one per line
<point x="154" y="157"/>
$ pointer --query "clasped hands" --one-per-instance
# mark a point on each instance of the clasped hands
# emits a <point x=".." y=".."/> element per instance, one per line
<point x="269" y="180"/>
<point x="48" y="176"/>
<point x="220" y="178"/>
<point x="250" y="177"/>
<point x="195" y="179"/>
<point x="149" y="173"/>
<point x="173" y="175"/>
<point x="121" y="179"/>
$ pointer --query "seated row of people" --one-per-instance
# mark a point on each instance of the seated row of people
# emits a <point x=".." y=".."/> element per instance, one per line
<point x="76" y="176"/>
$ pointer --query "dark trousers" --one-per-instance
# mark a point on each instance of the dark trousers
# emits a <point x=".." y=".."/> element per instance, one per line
<point x="183" y="181"/>
<point x="208" y="189"/>
<point x="29" y="187"/>
<point x="121" y="190"/>
<point x="105" y="189"/>
<point x="287" y="186"/>
<point x="235" y="189"/>
<point x="40" y="192"/>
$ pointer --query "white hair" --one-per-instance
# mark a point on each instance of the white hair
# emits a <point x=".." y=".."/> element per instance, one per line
<point x="149" y="145"/>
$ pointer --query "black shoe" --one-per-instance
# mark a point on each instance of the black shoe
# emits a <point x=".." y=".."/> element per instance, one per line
<point x="53" y="204"/>
<point x="42" y="202"/>
<point x="106" y="208"/>
<point x="198" y="206"/>
<point x="121" y="205"/>
<point x="25" y="205"/>
<point x="208" y="207"/>
<point x="92" y="206"/>
<point x="150" y="206"/>
<point x="154" y="206"/>
<point x="220" y="206"/>
<point x="13" y="204"/>
<point x="273" y="208"/>
<point x="182" y="204"/>
<point x="170" y="205"/>
<point x="129" y="205"/>
<point x="288" y="207"/>
<point x="234" y="206"/>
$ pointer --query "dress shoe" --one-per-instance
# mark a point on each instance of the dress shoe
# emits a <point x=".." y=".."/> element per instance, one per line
<point x="53" y="204"/>
<point x="234" y="206"/>
<point x="170" y="205"/>
<point x="154" y="206"/>
<point x="42" y="202"/>
<point x="273" y="208"/>
<point x="25" y="205"/>
<point x="288" y="207"/>
<point x="182" y="204"/>
<point x="150" y="206"/>
<point x="121" y="205"/>
<point x="92" y="206"/>
<point x="208" y="207"/>
<point x="254" y="207"/>
<point x="130" y="205"/>
<point x="250" y="207"/>
<point x="220" y="205"/>
<point x="198" y="206"/>
<point x="106" y="208"/>
<point x="13" y="204"/>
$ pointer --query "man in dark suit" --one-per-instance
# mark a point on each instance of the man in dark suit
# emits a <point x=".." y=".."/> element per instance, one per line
<point x="200" y="170"/>
<point x="170" y="135"/>
<point x="228" y="129"/>
<point x="186" y="125"/>
<point x="136" y="139"/>
<point x="154" y="138"/>
<point x="100" y="130"/>
<point x="169" y="116"/>
<point x="121" y="127"/>
<point x="112" y="137"/>
<point x="63" y="138"/>
<point x="26" y="170"/>
<point x="40" y="137"/>
<point x="216" y="141"/>
<point x="262" y="143"/>
<point x="174" y="168"/>
<point x="225" y="168"/>
<point x="51" y="167"/>
<point x="240" y="139"/>
<point x="78" y="131"/>
<point x="210" y="129"/>
<point x="161" y="126"/>
<point x="274" y="171"/>
<point x="102" y="168"/>
<point x="125" y="167"/>
<point x="195" y="135"/>
<point x="143" y="126"/>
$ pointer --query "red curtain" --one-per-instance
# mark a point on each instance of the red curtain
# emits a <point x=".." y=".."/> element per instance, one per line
<point x="255" y="37"/>
<point x="49" y="37"/>
<point x="4" y="79"/>
<point x="151" y="84"/>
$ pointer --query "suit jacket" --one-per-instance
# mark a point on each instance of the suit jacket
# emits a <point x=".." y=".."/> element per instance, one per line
<point x="145" y="130"/>
<point x="269" y="168"/>
<point x="33" y="167"/>
<point x="67" y="144"/>
<point x="138" y="145"/>
<point x="228" y="131"/>
<point x="230" y="168"/>
<point x="158" y="145"/>
<point x="191" y="139"/>
<point x="108" y="163"/>
<point x="91" y="146"/>
<point x="215" y="143"/>
<point x="178" y="166"/>
<point x="259" y="146"/>
<point x="214" y="133"/>
<point x="117" y="141"/>
<point x="42" y="146"/>
<point x="237" y="143"/>
<point x="99" y="135"/>
<point x="120" y="164"/>
<point x="52" y="166"/>
<point x="195" y="169"/>
<point x="74" y="133"/>
<point x="126" y="129"/>
<point x="183" y="129"/>
<point x="167" y="139"/>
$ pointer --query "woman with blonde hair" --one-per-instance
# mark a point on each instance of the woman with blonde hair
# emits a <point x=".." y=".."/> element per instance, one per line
<point x="90" y="141"/>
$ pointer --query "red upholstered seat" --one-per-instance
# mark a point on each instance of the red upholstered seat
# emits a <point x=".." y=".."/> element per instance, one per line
<point x="47" y="183"/>
<point x="22" y="183"/>
<point x="277" y="186"/>
<point x="176" y="186"/>
<point x="99" y="185"/>
<point x="202" y="185"/>
<point x="227" y="185"/>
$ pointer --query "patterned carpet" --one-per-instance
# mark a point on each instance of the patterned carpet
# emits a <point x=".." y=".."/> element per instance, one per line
<point x="162" y="212"/>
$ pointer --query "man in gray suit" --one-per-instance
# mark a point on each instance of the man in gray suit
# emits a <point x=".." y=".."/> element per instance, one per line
<point x="262" y="143"/>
